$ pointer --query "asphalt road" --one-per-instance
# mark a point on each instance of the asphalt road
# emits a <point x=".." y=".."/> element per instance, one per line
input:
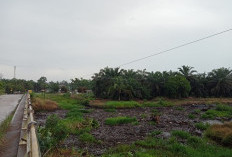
<point x="8" y="104"/>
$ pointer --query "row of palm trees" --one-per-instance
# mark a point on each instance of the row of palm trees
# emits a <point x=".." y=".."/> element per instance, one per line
<point x="116" y="83"/>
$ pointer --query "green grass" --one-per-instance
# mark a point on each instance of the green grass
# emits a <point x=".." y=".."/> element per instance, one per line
<point x="122" y="104"/>
<point x="110" y="110"/>
<point x="197" y="111"/>
<point x="153" y="147"/>
<point x="160" y="103"/>
<point x="220" y="111"/>
<point x="181" y="134"/>
<point x="3" y="127"/>
<point x="87" y="138"/>
<point x="202" y="126"/>
<point x="191" y="116"/>
<point x="155" y="133"/>
<point x="180" y="108"/>
<point x="119" y="120"/>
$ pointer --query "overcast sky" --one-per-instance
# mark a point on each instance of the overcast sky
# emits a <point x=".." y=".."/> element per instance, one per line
<point x="67" y="39"/>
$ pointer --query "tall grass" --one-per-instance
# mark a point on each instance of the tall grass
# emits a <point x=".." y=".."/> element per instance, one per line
<point x="44" y="105"/>
<point x="221" y="133"/>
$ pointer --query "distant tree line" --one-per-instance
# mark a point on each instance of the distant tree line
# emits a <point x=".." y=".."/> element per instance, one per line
<point x="10" y="86"/>
<point x="121" y="84"/>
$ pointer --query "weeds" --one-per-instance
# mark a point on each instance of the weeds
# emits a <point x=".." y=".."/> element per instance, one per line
<point x="181" y="134"/>
<point x="191" y="116"/>
<point x="119" y="120"/>
<point x="52" y="134"/>
<point x="87" y="138"/>
<point x="159" y="103"/>
<point x="3" y="127"/>
<point x="110" y="110"/>
<point x="122" y="104"/>
<point x="202" y="126"/>
<point x="152" y="147"/>
<point x="220" y="111"/>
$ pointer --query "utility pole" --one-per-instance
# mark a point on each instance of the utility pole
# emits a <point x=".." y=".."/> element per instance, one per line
<point x="14" y="72"/>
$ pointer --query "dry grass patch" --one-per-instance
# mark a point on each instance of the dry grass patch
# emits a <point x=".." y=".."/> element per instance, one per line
<point x="66" y="153"/>
<point x="221" y="133"/>
<point x="44" y="105"/>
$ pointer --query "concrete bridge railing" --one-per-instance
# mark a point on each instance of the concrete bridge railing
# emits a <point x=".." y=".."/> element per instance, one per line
<point x="28" y="145"/>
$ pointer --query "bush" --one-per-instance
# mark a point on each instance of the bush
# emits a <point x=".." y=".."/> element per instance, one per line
<point x="220" y="133"/>
<point x="119" y="120"/>
<point x="52" y="134"/>
<point x="44" y="105"/>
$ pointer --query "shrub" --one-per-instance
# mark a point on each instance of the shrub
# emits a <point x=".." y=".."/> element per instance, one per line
<point x="220" y="133"/>
<point x="52" y="134"/>
<point x="44" y="105"/>
<point x="119" y="120"/>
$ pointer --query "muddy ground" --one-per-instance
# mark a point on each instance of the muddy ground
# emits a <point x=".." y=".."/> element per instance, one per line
<point x="171" y="118"/>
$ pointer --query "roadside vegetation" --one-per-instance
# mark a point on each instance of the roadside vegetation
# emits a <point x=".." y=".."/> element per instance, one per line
<point x="56" y="129"/>
<point x="40" y="104"/>
<point x="3" y="128"/>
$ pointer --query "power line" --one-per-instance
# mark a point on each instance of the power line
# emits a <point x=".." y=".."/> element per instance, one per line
<point x="176" y="47"/>
<point x="170" y="49"/>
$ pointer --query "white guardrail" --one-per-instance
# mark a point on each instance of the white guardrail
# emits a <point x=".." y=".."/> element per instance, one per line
<point x="28" y="145"/>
